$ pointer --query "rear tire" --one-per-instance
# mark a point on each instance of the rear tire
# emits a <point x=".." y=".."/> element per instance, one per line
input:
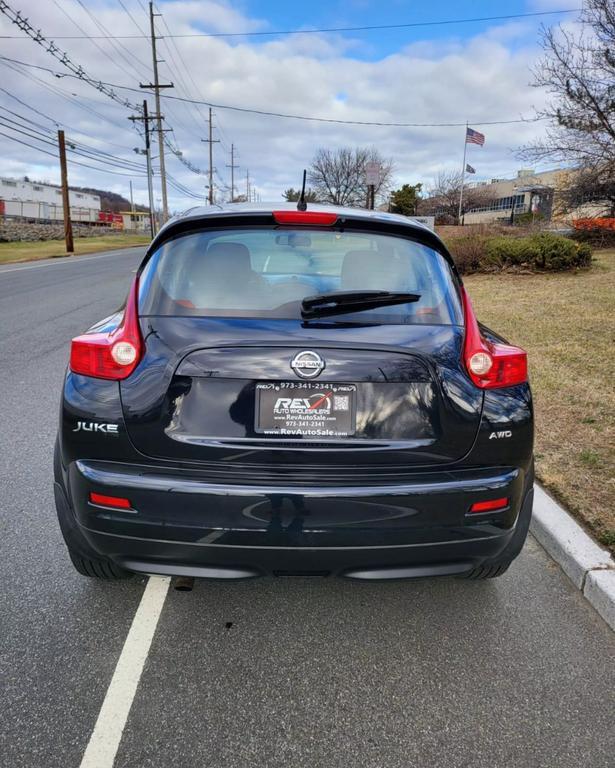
<point x="87" y="562"/>
<point x="488" y="571"/>
<point x="491" y="569"/>
<point x="97" y="569"/>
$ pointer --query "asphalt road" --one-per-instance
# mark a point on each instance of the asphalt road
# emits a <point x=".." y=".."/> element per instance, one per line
<point x="277" y="674"/>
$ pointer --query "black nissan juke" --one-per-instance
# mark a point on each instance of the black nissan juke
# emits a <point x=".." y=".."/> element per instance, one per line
<point x="294" y="393"/>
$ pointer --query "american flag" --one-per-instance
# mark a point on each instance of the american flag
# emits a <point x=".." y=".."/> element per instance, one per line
<point x="474" y="137"/>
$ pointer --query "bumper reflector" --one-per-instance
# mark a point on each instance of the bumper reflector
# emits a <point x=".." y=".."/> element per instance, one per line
<point x="117" y="502"/>
<point x="489" y="506"/>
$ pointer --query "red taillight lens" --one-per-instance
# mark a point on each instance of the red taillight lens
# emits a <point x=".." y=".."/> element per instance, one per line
<point x="112" y="355"/>
<point x="117" y="502"/>
<point x="489" y="506"/>
<point x="490" y="365"/>
<point x="314" y="218"/>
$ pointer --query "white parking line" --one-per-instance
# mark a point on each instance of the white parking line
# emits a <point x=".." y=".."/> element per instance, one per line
<point x="105" y="739"/>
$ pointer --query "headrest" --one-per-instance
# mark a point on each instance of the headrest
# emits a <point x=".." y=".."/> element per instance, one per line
<point x="233" y="257"/>
<point x="217" y="276"/>
<point x="378" y="270"/>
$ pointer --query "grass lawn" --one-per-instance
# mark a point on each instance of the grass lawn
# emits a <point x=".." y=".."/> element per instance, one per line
<point x="10" y="252"/>
<point x="566" y="322"/>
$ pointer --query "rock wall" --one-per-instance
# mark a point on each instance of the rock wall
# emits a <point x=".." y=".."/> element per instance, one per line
<point x="11" y="231"/>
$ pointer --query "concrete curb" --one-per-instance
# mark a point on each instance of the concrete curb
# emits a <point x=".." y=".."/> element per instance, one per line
<point x="589" y="567"/>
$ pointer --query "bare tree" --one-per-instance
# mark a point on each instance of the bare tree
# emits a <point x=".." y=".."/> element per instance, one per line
<point x="590" y="187"/>
<point x="338" y="176"/>
<point x="292" y="195"/>
<point x="578" y="70"/>
<point x="443" y="197"/>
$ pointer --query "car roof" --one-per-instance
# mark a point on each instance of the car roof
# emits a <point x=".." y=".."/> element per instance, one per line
<point x="207" y="211"/>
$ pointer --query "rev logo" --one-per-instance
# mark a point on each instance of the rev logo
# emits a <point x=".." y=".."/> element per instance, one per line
<point x="303" y="404"/>
<point x="92" y="426"/>
<point x="499" y="435"/>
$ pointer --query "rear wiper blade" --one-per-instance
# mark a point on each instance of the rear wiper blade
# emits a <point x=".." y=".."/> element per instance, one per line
<point x="341" y="302"/>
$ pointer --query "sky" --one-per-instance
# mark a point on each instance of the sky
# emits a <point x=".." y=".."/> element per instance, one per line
<point x="436" y="73"/>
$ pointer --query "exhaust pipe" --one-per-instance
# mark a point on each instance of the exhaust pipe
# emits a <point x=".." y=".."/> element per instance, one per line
<point x="183" y="583"/>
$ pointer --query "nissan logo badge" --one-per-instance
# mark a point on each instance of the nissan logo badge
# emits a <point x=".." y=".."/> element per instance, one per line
<point x="307" y="364"/>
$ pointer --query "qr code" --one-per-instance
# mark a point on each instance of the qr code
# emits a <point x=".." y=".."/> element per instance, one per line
<point x="341" y="402"/>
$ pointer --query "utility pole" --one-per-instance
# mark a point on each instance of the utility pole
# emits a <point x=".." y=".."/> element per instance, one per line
<point x="211" y="141"/>
<point x="232" y="166"/>
<point x="68" y="227"/>
<point x="150" y="181"/>
<point x="247" y="184"/>
<point x="132" y="202"/>
<point x="157" y="86"/>
<point x="148" y="156"/>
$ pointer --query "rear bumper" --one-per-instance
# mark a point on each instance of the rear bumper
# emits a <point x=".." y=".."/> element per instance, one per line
<point x="181" y="525"/>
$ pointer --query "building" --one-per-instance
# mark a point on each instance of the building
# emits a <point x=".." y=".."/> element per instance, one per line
<point x="32" y="200"/>
<point x="528" y="192"/>
<point x="136" y="222"/>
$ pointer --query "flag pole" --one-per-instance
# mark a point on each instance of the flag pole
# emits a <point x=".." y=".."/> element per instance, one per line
<point x="463" y="172"/>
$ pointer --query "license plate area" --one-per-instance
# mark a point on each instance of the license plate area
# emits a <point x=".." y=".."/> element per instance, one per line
<point x="307" y="410"/>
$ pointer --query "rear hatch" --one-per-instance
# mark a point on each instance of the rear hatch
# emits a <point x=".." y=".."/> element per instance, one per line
<point x="237" y="381"/>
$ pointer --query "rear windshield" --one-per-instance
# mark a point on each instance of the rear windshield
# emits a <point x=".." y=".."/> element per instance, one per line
<point x="266" y="273"/>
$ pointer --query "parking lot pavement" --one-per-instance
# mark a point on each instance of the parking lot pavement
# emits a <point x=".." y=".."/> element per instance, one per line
<point x="515" y="672"/>
<point x="60" y="636"/>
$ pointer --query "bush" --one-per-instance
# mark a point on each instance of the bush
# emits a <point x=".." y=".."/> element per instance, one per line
<point x="559" y="253"/>
<point x="505" y="252"/>
<point x="539" y="252"/>
<point x="468" y="252"/>
<point x="597" y="237"/>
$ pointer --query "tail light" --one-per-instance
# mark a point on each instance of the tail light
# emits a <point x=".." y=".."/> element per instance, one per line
<point x="112" y="355"/>
<point x="117" y="502"/>
<point x="314" y="218"/>
<point x="490" y="365"/>
<point x="493" y="505"/>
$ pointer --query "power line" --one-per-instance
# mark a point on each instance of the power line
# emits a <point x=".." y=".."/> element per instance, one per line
<point x="366" y="28"/>
<point x="61" y="56"/>
<point x="119" y="47"/>
<point x="77" y="71"/>
<point x="56" y="123"/>
<point x="75" y="149"/>
<point x="54" y="155"/>
<point x="199" y="120"/>
<point x="81" y="29"/>
<point x="58" y="91"/>
<point x="179" y="187"/>
<point x="71" y="98"/>
<point x="179" y="155"/>
<point x="185" y="66"/>
<point x="132" y="18"/>
<point x="195" y="107"/>
<point x="23" y="103"/>
<point x="81" y="145"/>
<point x="308" y="118"/>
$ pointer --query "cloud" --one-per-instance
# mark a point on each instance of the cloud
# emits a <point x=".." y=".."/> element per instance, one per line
<point x="481" y="78"/>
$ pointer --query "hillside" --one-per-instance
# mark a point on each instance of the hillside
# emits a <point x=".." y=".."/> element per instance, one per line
<point x="110" y="201"/>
